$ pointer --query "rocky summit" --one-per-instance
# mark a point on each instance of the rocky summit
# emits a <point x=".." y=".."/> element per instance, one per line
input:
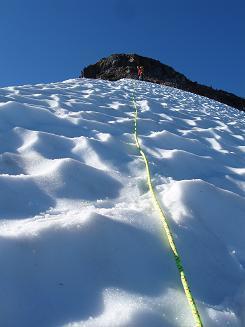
<point x="118" y="66"/>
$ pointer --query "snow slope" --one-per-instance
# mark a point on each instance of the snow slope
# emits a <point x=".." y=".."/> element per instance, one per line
<point x="81" y="244"/>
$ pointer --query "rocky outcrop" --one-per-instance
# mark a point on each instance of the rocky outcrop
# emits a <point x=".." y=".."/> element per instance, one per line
<point x="118" y="66"/>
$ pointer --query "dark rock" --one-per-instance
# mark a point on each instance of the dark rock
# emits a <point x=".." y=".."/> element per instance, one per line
<point x="119" y="66"/>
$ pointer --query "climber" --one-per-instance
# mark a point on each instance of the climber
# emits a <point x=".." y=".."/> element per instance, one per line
<point x="140" y="72"/>
<point x="82" y="74"/>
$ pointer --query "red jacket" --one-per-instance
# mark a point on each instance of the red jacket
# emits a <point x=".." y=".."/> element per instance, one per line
<point x="140" y="71"/>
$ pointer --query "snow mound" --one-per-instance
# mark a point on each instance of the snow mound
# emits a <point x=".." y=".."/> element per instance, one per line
<point x="81" y="244"/>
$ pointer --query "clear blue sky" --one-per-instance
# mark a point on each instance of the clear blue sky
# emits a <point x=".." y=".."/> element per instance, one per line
<point x="51" y="40"/>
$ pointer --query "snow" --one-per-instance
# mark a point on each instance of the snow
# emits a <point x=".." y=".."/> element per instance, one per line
<point x="81" y="243"/>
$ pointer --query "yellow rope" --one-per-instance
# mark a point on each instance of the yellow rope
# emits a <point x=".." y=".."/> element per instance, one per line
<point x="191" y="301"/>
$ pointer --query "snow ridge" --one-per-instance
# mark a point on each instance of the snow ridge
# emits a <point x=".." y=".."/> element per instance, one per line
<point x="81" y="244"/>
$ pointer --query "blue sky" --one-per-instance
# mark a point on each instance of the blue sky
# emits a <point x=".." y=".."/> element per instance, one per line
<point x="51" y="40"/>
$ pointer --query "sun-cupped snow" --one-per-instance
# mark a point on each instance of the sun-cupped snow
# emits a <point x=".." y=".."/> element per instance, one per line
<point x="81" y="243"/>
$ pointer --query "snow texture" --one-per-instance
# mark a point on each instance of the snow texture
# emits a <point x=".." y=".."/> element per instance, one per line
<point x="81" y="244"/>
